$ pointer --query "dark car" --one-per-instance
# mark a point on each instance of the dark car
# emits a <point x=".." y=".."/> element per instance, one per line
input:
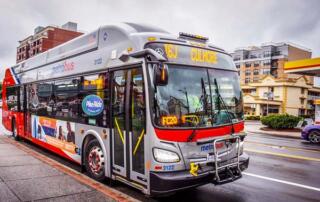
<point x="311" y="133"/>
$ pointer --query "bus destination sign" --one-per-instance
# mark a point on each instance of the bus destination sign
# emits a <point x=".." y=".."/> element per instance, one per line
<point x="192" y="55"/>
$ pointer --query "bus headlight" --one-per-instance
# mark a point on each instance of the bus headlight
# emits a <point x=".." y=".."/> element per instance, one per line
<point x="165" y="156"/>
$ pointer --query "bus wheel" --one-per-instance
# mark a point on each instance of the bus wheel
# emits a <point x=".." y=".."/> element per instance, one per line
<point x="94" y="160"/>
<point x="14" y="131"/>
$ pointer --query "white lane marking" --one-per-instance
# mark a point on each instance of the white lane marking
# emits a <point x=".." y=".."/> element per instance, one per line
<point x="282" y="181"/>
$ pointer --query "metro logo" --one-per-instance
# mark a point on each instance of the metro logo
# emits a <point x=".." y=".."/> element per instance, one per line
<point x="201" y="55"/>
<point x="66" y="66"/>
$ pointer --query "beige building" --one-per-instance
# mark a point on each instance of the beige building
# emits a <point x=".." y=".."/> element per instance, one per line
<point x="293" y="96"/>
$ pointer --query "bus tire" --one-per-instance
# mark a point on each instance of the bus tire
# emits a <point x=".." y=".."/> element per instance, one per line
<point x="95" y="160"/>
<point x="14" y="130"/>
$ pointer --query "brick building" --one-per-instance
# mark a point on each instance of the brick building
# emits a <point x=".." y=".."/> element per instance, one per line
<point x="45" y="38"/>
<point x="255" y="62"/>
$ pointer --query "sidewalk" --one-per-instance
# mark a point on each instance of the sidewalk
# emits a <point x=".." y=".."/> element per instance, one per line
<point x="255" y="127"/>
<point x="25" y="176"/>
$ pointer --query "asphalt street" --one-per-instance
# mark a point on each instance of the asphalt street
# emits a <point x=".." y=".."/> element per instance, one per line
<point x="281" y="169"/>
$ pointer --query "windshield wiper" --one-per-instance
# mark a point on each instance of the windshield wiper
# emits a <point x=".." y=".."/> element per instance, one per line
<point x="224" y="104"/>
<point x="204" y="105"/>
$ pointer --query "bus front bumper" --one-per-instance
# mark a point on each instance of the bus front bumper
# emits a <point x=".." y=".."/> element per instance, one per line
<point x="162" y="183"/>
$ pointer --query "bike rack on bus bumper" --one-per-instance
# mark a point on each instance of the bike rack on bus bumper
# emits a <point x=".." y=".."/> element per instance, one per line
<point x="227" y="167"/>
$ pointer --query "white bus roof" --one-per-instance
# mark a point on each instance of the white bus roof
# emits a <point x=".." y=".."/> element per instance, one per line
<point x="93" y="51"/>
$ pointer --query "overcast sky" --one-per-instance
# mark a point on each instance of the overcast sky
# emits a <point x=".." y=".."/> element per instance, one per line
<point x="228" y="24"/>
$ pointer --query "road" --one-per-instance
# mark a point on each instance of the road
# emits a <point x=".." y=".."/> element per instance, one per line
<point x="281" y="169"/>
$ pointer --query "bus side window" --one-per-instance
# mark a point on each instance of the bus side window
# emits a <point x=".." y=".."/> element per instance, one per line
<point x="98" y="85"/>
<point x="46" y="99"/>
<point x="33" y="100"/>
<point x="21" y="103"/>
<point x="12" y="98"/>
<point x="66" y="96"/>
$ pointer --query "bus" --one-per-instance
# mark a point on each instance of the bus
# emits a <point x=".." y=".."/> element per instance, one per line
<point x="133" y="103"/>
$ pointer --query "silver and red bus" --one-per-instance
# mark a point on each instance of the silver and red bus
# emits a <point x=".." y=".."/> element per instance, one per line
<point x="133" y="103"/>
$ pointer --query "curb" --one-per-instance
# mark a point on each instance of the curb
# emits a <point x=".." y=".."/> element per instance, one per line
<point x="107" y="191"/>
<point x="274" y="135"/>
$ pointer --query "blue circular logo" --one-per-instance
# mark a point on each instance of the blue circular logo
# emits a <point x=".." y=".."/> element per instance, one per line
<point x="92" y="105"/>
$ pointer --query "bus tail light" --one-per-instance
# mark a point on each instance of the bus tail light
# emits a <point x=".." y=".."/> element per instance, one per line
<point x="165" y="156"/>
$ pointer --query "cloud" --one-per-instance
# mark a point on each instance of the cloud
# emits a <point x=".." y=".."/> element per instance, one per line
<point x="229" y="24"/>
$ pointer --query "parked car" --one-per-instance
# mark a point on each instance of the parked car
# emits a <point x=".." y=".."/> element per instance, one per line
<point x="311" y="133"/>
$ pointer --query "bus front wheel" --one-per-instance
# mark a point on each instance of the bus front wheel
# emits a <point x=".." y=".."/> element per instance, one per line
<point x="15" y="131"/>
<point x="95" y="160"/>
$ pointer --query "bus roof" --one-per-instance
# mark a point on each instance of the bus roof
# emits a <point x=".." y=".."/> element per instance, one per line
<point x="98" y="49"/>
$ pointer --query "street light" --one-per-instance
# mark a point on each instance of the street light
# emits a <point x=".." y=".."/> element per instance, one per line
<point x="269" y="96"/>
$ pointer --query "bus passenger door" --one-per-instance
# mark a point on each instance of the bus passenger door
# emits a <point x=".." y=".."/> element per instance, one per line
<point x="27" y="115"/>
<point x="137" y="124"/>
<point x="128" y="124"/>
<point x="119" y="85"/>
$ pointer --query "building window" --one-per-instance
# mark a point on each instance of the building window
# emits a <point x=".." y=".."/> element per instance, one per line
<point x="266" y="53"/>
<point x="256" y="72"/>
<point x="302" y="101"/>
<point x="255" y="79"/>
<point x="302" y="91"/>
<point x="252" y="56"/>
<point x="271" y="89"/>
<point x="277" y="53"/>
<point x="266" y="62"/>
<point x="247" y="80"/>
<point x="236" y="58"/>
<point x="247" y="72"/>
<point x="237" y="66"/>
<point x="248" y="64"/>
<point x="265" y="71"/>
<point x="256" y="64"/>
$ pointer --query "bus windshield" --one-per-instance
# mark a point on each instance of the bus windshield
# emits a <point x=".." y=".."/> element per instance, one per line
<point x="198" y="97"/>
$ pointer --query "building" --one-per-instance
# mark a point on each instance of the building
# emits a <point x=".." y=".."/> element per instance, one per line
<point x="45" y="38"/>
<point x="267" y="87"/>
<point x="254" y="62"/>
<point x="293" y="96"/>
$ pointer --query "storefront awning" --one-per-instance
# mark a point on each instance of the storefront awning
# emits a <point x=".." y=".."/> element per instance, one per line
<point x="309" y="67"/>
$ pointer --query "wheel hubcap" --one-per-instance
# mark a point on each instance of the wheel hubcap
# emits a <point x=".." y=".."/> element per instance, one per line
<point x="96" y="160"/>
<point x="314" y="138"/>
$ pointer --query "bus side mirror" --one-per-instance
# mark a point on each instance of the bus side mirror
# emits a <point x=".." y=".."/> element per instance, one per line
<point x="161" y="74"/>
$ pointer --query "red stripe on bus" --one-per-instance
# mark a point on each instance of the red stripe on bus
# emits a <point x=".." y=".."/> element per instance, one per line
<point x="182" y="135"/>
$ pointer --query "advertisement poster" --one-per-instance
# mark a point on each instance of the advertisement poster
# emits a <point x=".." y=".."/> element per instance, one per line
<point x="60" y="134"/>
